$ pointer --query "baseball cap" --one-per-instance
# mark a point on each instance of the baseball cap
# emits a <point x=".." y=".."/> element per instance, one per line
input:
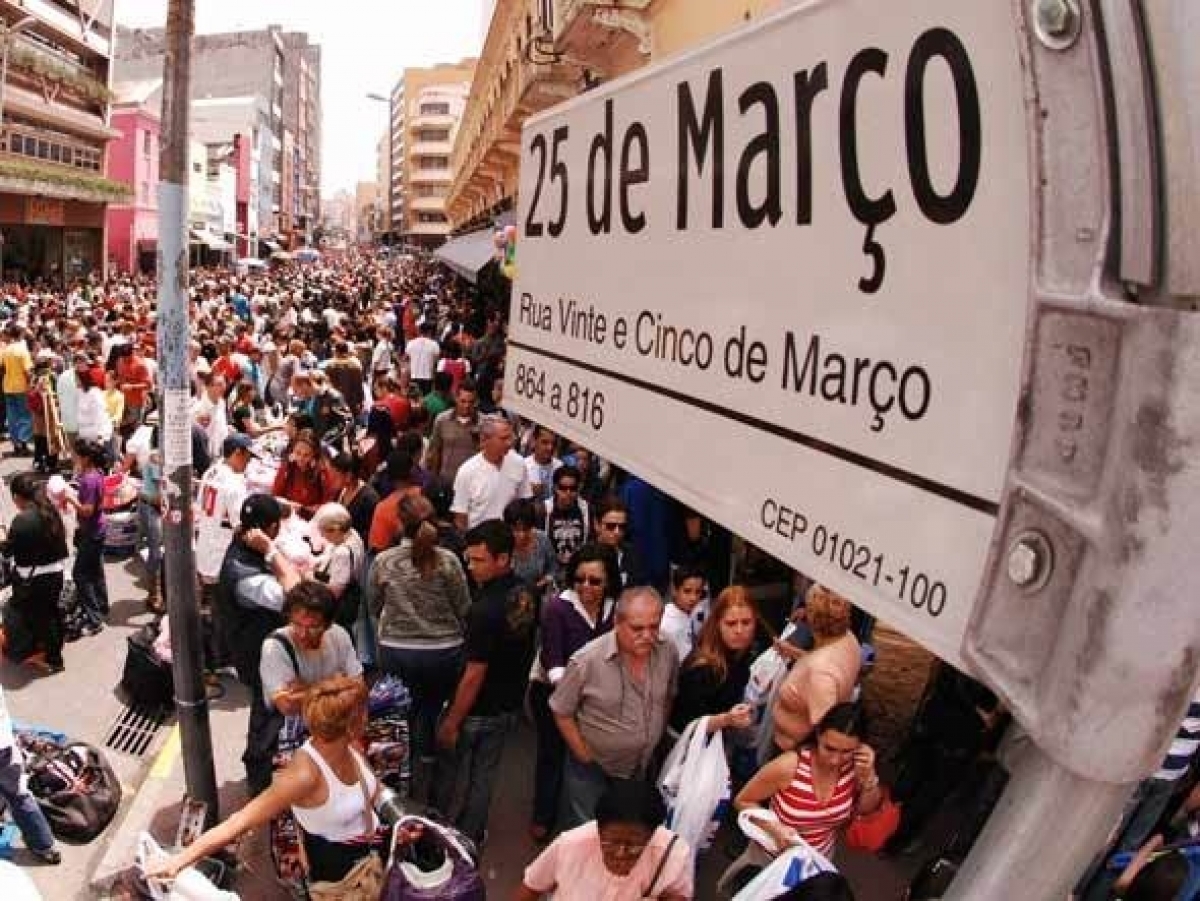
<point x="235" y="443"/>
<point x="260" y="511"/>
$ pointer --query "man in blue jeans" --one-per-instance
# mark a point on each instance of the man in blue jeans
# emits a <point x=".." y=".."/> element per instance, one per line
<point x="25" y="811"/>
<point x="499" y="651"/>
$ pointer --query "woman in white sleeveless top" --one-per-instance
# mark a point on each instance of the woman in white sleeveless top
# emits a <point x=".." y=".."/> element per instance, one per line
<point x="328" y="786"/>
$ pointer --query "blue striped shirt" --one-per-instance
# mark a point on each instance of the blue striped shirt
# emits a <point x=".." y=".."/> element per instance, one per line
<point x="1183" y="746"/>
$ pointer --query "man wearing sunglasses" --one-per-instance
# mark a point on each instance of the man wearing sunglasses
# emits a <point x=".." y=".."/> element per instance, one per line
<point x="566" y="519"/>
<point x="612" y="529"/>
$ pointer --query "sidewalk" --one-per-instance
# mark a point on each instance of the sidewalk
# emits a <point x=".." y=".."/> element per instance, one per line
<point x="156" y="806"/>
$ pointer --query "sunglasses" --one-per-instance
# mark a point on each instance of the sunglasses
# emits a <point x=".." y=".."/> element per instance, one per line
<point x="594" y="581"/>
<point x="567" y="487"/>
<point x="614" y="526"/>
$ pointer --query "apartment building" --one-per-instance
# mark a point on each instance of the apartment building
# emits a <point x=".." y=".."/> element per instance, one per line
<point x="426" y="107"/>
<point x="261" y="84"/>
<point x="53" y="189"/>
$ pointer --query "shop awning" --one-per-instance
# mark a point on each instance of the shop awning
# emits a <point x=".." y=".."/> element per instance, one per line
<point x="209" y="240"/>
<point x="468" y="254"/>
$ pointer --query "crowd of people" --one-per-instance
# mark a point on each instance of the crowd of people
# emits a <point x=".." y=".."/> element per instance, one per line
<point x="492" y="566"/>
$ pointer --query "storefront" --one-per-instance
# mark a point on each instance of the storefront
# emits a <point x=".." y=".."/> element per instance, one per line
<point x="50" y="238"/>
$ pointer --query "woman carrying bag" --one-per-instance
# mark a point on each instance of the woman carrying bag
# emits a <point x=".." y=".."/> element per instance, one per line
<point x="37" y="544"/>
<point x="330" y="790"/>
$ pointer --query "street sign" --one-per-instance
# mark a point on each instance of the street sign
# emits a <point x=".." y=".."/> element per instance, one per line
<point x="785" y="278"/>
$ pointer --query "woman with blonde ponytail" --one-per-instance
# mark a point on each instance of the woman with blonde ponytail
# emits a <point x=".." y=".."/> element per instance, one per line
<point x="418" y="593"/>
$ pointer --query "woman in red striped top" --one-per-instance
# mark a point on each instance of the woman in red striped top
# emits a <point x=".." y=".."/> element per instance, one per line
<point x="816" y="790"/>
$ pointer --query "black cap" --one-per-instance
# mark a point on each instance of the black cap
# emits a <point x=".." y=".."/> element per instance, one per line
<point x="260" y="511"/>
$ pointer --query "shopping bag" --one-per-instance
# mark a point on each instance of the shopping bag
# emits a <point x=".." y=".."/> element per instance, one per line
<point x="793" y="866"/>
<point x="766" y="676"/>
<point x="871" y="831"/>
<point x="695" y="785"/>
<point x="188" y="885"/>
<point x="439" y="866"/>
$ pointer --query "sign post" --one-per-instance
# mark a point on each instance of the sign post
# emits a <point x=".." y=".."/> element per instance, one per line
<point x="858" y="281"/>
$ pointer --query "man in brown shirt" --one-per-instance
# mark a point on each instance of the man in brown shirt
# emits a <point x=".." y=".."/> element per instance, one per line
<point x="345" y="373"/>
<point x="612" y="703"/>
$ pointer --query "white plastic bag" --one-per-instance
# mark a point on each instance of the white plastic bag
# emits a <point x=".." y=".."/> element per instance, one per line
<point x="189" y="885"/>
<point x="794" y="866"/>
<point x="766" y="676"/>
<point x="695" y="784"/>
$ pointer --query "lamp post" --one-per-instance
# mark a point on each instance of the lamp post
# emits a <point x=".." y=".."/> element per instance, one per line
<point x="7" y="33"/>
<point x="379" y="98"/>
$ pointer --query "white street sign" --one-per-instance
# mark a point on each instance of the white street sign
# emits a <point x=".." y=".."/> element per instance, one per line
<point x="784" y="278"/>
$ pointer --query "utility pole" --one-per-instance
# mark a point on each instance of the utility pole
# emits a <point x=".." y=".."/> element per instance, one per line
<point x="191" y="702"/>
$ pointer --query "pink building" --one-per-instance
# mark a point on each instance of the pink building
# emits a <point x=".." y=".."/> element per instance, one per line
<point x="133" y="160"/>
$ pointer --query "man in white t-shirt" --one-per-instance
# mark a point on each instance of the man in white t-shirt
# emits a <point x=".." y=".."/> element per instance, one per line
<point x="211" y="414"/>
<point x="218" y="505"/>
<point x="423" y="353"/>
<point x="541" y="463"/>
<point x="487" y="482"/>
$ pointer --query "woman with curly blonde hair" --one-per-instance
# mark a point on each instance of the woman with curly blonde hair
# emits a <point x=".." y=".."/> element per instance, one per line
<point x="328" y="786"/>
<point x="822" y="678"/>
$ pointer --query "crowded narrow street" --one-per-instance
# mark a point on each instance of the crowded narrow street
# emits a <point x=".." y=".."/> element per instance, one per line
<point x="599" y="450"/>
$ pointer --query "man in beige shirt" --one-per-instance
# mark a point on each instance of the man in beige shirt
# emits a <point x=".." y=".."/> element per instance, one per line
<point x="612" y="704"/>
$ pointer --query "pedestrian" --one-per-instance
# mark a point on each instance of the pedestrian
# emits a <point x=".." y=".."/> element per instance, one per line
<point x="533" y="558"/>
<point x="687" y="609"/>
<point x="91" y="585"/>
<point x="821" y="678"/>
<point x="579" y="613"/>
<point x="418" y="594"/>
<point x="499" y="646"/>
<point x="359" y="498"/>
<point x="37" y="544"/>
<point x="713" y="677"/>
<point x="327" y="785"/>
<point x="818" y="788"/>
<point x="565" y="517"/>
<point x="342" y="564"/>
<point x="16" y="364"/>
<point x="300" y="479"/>
<point x="625" y="854"/>
<point x="423" y="353"/>
<point x="612" y="528"/>
<point x="612" y="703"/>
<point x="14" y="790"/>
<point x="454" y="435"/>
<point x="489" y="480"/>
<point x="254" y="580"/>
<point x="542" y="463"/>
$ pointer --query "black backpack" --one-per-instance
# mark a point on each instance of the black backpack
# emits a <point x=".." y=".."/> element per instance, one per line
<point x="76" y="788"/>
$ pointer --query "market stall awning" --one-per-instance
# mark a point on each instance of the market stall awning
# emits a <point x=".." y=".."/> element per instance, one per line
<point x="209" y="240"/>
<point x="467" y="255"/>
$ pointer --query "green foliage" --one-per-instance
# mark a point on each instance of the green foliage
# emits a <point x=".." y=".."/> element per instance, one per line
<point x="64" y="177"/>
<point x="56" y="71"/>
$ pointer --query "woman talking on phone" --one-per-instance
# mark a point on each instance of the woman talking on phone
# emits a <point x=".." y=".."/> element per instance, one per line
<point x="815" y="790"/>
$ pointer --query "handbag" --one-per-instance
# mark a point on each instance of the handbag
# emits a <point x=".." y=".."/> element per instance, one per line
<point x="871" y="831"/>
<point x="365" y="879"/>
<point x="695" y="785"/>
<point x="437" y="867"/>
<point x="662" y="863"/>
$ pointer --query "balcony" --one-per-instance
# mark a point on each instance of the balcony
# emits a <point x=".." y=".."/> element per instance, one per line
<point x="430" y="120"/>
<point x="431" y="148"/>
<point x="429" y="176"/>
<point x="427" y="204"/>
<point x="613" y="34"/>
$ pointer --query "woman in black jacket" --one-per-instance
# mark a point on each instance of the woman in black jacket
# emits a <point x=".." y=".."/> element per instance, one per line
<point x="37" y="544"/>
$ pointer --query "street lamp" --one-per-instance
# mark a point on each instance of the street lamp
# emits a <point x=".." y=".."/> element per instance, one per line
<point x="379" y="98"/>
<point x="7" y="33"/>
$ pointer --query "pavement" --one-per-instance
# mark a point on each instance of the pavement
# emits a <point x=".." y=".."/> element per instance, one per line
<point x="84" y="701"/>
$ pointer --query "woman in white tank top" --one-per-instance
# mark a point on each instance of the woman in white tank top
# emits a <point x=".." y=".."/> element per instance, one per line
<point x="329" y="788"/>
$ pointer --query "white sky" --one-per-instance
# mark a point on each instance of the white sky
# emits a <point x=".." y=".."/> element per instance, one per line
<point x="365" y="44"/>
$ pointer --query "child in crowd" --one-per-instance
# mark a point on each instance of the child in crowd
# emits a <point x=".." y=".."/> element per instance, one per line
<point x="684" y="614"/>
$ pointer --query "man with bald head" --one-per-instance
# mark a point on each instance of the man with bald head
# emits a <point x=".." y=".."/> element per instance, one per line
<point x="611" y="705"/>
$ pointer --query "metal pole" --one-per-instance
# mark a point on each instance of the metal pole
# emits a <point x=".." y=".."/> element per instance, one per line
<point x="1045" y="806"/>
<point x="173" y="314"/>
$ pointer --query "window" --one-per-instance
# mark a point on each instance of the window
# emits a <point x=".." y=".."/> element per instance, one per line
<point x="433" y="134"/>
<point x="433" y="162"/>
<point x="435" y="109"/>
<point x="146" y="139"/>
<point x="431" y="218"/>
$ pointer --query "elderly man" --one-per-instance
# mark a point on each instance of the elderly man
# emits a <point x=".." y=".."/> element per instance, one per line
<point x="611" y="705"/>
<point x="487" y="482"/>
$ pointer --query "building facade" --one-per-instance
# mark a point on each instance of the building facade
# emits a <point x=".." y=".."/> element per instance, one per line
<point x="133" y="160"/>
<point x="250" y="87"/>
<point x="54" y="191"/>
<point x="426" y="107"/>
<point x="538" y="53"/>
